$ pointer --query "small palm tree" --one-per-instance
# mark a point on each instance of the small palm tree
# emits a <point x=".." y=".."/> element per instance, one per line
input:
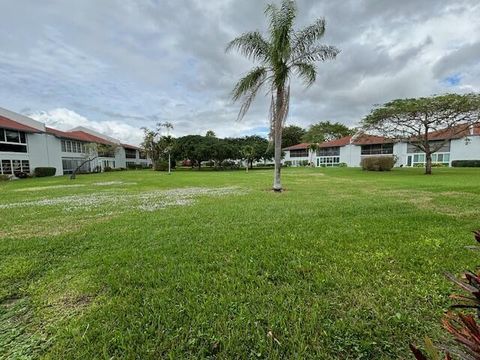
<point x="286" y="52"/>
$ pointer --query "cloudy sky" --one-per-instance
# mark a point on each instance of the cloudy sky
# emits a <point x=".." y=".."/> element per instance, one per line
<point x="118" y="65"/>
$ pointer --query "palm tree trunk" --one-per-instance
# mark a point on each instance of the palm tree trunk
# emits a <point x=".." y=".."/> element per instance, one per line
<point x="277" y="138"/>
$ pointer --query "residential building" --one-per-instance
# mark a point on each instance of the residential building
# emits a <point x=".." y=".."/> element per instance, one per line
<point x="350" y="150"/>
<point x="26" y="144"/>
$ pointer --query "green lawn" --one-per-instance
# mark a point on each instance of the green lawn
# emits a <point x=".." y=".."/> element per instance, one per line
<point x="142" y="265"/>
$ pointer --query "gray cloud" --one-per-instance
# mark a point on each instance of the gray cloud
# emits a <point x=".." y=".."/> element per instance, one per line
<point x="137" y="62"/>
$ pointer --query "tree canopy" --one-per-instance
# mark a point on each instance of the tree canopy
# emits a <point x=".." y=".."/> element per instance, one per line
<point x="419" y="121"/>
<point x="292" y="135"/>
<point x="326" y="131"/>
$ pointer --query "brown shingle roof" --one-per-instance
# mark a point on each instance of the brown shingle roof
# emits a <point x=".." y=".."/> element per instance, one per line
<point x="78" y="135"/>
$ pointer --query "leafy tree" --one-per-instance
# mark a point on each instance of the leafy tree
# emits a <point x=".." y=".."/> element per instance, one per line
<point x="158" y="147"/>
<point x="418" y="121"/>
<point x="285" y="53"/>
<point x="292" y="135"/>
<point x="210" y="133"/>
<point x="326" y="131"/>
<point x="196" y="148"/>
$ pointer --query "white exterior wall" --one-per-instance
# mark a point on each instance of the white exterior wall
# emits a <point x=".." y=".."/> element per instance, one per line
<point x="45" y="151"/>
<point x="295" y="160"/>
<point x="461" y="149"/>
<point x="400" y="151"/>
<point x="350" y="155"/>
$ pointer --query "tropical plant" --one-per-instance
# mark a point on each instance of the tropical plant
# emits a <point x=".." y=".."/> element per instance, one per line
<point x="463" y="327"/>
<point x="286" y="52"/>
<point x="248" y="153"/>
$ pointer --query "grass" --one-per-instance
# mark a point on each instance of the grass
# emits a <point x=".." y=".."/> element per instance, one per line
<point x="344" y="264"/>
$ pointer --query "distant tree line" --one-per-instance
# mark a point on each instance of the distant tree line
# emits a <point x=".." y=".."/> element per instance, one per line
<point x="316" y="133"/>
<point x="198" y="149"/>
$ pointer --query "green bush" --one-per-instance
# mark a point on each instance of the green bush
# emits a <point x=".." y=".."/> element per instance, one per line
<point x="4" y="177"/>
<point x="303" y="162"/>
<point x="378" y="163"/>
<point x="342" y="164"/>
<point x="287" y="163"/>
<point x="466" y="163"/>
<point x="107" y="169"/>
<point x="161" y="165"/>
<point x="44" y="171"/>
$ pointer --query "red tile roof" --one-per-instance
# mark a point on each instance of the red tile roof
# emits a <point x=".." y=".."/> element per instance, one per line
<point x="63" y="134"/>
<point x="337" y="142"/>
<point x="298" y="146"/>
<point x="7" y="123"/>
<point x="456" y="132"/>
<point x="127" y="146"/>
<point x="366" y="139"/>
<point x="78" y="135"/>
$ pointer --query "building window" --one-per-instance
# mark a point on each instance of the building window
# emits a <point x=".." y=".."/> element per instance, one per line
<point x="329" y="151"/>
<point x="70" y="164"/>
<point x="73" y="146"/>
<point x="130" y="153"/>
<point x="299" y="153"/>
<point x="419" y="159"/>
<point x="324" y="161"/>
<point x="10" y="167"/>
<point x="377" y="149"/>
<point x="13" y="141"/>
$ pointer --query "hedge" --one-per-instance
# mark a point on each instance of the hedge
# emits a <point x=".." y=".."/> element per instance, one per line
<point x="466" y="163"/>
<point x="44" y="171"/>
<point x="377" y="163"/>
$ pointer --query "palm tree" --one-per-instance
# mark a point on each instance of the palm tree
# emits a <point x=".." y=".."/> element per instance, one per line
<point x="286" y="52"/>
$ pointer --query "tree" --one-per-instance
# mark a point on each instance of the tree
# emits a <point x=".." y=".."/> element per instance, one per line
<point x="427" y="123"/>
<point x="210" y="133"/>
<point x="292" y="135"/>
<point x="92" y="152"/>
<point x="158" y="147"/>
<point x="285" y="53"/>
<point x="248" y="153"/>
<point x="196" y="148"/>
<point x="326" y="131"/>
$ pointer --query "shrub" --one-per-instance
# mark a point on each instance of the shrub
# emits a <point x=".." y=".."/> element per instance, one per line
<point x="44" y="171"/>
<point x="287" y="163"/>
<point x="342" y="164"/>
<point x="377" y="163"/>
<point x="304" y="162"/>
<point x="466" y="163"/>
<point x="161" y="165"/>
<point x="107" y="169"/>
<point x="21" y="175"/>
<point x="4" y="177"/>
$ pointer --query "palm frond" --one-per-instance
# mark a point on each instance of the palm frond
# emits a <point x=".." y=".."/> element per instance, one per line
<point x="317" y="53"/>
<point x="307" y="37"/>
<point x="281" y="30"/>
<point x="307" y="72"/>
<point x="251" y="45"/>
<point x="248" y="87"/>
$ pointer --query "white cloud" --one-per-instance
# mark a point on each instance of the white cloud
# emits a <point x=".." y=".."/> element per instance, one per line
<point x="65" y="119"/>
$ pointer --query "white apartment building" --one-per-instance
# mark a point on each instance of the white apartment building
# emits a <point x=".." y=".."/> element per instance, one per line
<point x="26" y="144"/>
<point x="351" y="149"/>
